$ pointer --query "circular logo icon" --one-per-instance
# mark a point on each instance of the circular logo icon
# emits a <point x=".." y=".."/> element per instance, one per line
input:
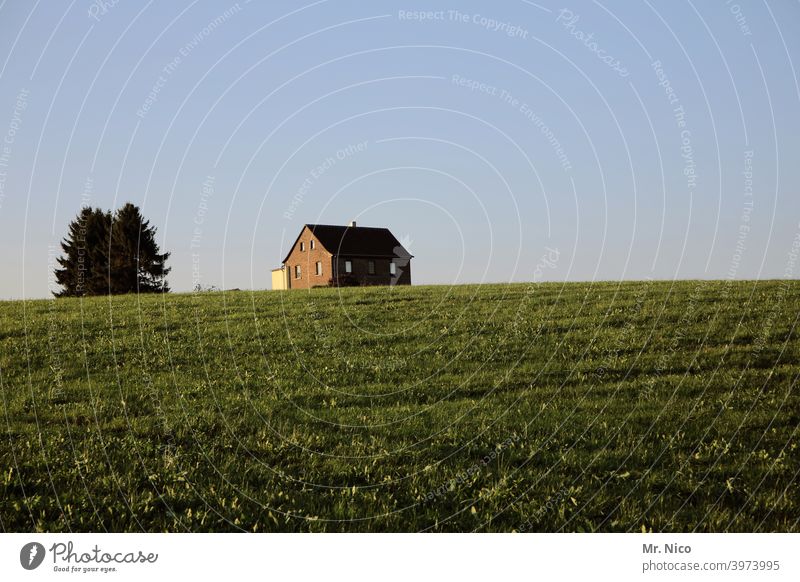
<point x="31" y="555"/>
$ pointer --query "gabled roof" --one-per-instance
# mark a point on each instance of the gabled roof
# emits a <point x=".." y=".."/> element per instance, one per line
<point x="362" y="241"/>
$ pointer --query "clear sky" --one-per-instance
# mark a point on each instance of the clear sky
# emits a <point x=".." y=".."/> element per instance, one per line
<point x="500" y="141"/>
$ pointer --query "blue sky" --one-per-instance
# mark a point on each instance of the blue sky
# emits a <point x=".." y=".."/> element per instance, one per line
<point x="509" y="141"/>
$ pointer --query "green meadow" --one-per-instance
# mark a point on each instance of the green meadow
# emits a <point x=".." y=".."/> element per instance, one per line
<point x="636" y="406"/>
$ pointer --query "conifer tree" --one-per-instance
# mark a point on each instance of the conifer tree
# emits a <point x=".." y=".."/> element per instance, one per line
<point x="105" y="254"/>
<point x="84" y="264"/>
<point x="136" y="265"/>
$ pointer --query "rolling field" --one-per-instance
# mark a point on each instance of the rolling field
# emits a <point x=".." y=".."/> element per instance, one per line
<point x="650" y="406"/>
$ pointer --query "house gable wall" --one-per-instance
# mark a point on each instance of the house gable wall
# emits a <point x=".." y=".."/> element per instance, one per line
<point x="307" y="259"/>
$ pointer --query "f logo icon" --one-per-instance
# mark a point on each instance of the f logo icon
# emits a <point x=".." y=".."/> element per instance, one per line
<point x="31" y="555"/>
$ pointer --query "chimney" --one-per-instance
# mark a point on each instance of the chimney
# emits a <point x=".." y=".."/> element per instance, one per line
<point x="352" y="224"/>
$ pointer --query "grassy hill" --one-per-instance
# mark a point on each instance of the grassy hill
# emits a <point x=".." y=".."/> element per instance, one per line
<point x="579" y="407"/>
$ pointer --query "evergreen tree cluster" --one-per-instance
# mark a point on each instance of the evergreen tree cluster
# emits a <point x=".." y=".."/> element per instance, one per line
<point x="111" y="254"/>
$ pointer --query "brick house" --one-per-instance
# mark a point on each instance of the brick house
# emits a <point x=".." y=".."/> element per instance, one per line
<point x="325" y="254"/>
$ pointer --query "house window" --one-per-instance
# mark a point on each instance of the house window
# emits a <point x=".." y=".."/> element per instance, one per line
<point x="302" y="246"/>
<point x="297" y="271"/>
<point x="319" y="268"/>
<point x="371" y="267"/>
<point x="312" y="245"/>
<point x="348" y="266"/>
<point x="392" y="268"/>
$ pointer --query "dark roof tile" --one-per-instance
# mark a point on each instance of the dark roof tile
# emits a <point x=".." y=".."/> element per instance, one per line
<point x="357" y="241"/>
